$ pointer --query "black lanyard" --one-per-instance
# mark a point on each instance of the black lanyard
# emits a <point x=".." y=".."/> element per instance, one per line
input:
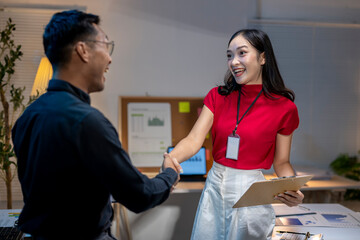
<point x="238" y="108"/>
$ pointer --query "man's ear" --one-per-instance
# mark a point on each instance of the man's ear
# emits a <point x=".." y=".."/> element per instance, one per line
<point x="262" y="58"/>
<point x="83" y="51"/>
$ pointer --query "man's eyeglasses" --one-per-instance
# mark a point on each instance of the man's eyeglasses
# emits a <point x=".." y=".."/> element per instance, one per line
<point x="109" y="45"/>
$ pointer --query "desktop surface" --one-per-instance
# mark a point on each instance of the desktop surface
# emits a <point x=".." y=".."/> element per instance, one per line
<point x="334" y="231"/>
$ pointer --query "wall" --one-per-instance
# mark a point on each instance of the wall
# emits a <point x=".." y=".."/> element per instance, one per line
<point x="177" y="48"/>
<point x="173" y="48"/>
<point x="322" y="65"/>
<point x="316" y="47"/>
<point x="344" y="11"/>
<point x="162" y="48"/>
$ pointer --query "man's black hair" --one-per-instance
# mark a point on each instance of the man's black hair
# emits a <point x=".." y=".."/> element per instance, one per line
<point x="63" y="31"/>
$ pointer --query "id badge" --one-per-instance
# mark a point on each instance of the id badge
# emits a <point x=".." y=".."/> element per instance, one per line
<point x="232" y="148"/>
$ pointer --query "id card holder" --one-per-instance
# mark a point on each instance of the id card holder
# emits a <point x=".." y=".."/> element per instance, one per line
<point x="232" y="147"/>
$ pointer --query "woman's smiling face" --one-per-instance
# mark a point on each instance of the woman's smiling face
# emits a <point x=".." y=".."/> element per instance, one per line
<point x="244" y="61"/>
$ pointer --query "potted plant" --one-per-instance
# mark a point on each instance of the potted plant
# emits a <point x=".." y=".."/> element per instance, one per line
<point x="12" y="103"/>
<point x="348" y="166"/>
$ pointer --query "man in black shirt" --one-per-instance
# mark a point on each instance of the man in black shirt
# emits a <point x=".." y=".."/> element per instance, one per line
<point x="70" y="159"/>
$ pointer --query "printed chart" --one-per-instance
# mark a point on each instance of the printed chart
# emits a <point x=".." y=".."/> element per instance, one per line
<point x="149" y="132"/>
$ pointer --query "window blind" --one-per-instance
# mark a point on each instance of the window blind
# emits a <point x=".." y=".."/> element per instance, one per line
<point x="321" y="63"/>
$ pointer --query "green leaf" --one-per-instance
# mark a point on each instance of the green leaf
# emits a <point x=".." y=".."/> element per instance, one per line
<point x="10" y="54"/>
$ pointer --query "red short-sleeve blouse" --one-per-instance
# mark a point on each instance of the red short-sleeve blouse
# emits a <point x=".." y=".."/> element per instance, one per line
<point x="257" y="130"/>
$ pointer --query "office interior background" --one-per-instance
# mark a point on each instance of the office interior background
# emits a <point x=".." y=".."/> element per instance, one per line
<point x="178" y="48"/>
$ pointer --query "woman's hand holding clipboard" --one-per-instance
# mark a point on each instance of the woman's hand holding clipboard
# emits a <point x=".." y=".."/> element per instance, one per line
<point x="264" y="192"/>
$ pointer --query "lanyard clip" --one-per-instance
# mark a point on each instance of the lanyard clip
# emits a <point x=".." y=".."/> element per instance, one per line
<point x="234" y="131"/>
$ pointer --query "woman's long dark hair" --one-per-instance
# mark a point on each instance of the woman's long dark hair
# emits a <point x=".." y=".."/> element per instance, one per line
<point x="272" y="80"/>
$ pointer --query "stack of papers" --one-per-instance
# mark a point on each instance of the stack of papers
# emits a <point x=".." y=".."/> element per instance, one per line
<point x="297" y="236"/>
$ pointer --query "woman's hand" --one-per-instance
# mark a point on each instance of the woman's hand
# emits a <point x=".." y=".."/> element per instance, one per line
<point x="290" y="198"/>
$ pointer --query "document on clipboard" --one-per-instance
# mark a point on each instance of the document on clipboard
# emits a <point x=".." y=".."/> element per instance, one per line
<point x="263" y="192"/>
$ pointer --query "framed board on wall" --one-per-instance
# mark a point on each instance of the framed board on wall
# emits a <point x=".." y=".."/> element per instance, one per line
<point x="183" y="113"/>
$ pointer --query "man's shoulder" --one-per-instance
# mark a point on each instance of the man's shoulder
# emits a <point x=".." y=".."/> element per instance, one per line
<point x="62" y="105"/>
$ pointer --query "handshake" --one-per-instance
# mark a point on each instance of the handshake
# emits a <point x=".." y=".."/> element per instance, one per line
<point x="170" y="162"/>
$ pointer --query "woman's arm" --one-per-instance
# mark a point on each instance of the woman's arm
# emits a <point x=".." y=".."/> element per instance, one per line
<point x="192" y="143"/>
<point x="283" y="168"/>
<point x="281" y="163"/>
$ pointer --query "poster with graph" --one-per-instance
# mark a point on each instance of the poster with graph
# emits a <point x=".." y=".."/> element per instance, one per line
<point x="149" y="132"/>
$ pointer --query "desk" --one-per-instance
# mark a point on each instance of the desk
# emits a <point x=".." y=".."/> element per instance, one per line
<point x="186" y="187"/>
<point x="181" y="206"/>
<point x="335" y="184"/>
<point x="330" y="233"/>
<point x="332" y="190"/>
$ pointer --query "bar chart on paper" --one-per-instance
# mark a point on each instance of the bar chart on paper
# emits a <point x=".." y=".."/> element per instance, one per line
<point x="149" y="132"/>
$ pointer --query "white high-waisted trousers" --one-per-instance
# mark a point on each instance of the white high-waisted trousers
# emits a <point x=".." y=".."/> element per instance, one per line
<point x="217" y="220"/>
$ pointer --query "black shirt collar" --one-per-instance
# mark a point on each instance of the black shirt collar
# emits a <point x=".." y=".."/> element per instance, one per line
<point x="61" y="85"/>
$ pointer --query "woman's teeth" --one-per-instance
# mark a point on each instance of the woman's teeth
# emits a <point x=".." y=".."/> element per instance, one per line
<point x="238" y="71"/>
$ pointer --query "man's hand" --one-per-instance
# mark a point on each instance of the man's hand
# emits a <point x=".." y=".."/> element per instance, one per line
<point x="174" y="164"/>
<point x="291" y="198"/>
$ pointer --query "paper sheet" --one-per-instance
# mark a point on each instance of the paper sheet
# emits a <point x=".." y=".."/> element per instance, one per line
<point x="8" y="217"/>
<point x="184" y="107"/>
<point x="341" y="220"/>
<point x="282" y="210"/>
<point x="149" y="133"/>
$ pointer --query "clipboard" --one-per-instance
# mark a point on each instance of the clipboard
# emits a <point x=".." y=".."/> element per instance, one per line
<point x="263" y="192"/>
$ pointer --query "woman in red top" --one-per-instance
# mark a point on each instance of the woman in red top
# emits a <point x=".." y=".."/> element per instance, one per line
<point x="252" y="119"/>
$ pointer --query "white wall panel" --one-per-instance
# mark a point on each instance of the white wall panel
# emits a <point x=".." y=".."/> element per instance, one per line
<point x="321" y="64"/>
